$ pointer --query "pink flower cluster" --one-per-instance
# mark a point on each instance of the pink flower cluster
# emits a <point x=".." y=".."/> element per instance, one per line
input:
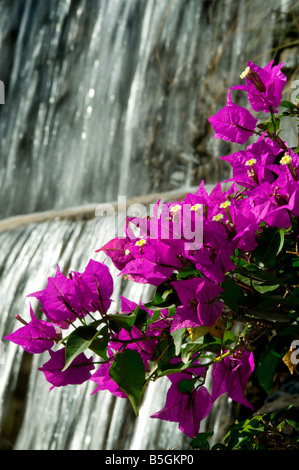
<point x="64" y="301"/>
<point x="167" y="245"/>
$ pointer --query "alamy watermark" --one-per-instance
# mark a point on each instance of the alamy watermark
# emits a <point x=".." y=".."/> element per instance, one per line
<point x="295" y="94"/>
<point x="295" y="352"/>
<point x="2" y="93"/>
<point x="173" y="221"/>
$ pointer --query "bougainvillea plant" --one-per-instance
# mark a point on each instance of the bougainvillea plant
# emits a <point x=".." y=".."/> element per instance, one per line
<point x="224" y="267"/>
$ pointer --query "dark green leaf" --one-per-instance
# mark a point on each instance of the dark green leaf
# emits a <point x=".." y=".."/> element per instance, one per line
<point x="186" y="386"/>
<point x="99" y="347"/>
<point x="270" y="243"/>
<point x="160" y="298"/>
<point x="99" y="344"/>
<point x="273" y="314"/>
<point x="123" y="320"/>
<point x="77" y="342"/>
<point x="292" y="300"/>
<point x="165" y="351"/>
<point x="95" y="324"/>
<point x="200" y="441"/>
<point x="241" y="435"/>
<point x="254" y="272"/>
<point x="293" y="423"/>
<point x="268" y="362"/>
<point x="127" y="370"/>
<point x="287" y="104"/>
<point x="259" y="286"/>
<point x="232" y="295"/>
<point x="190" y="271"/>
<point x="173" y="368"/>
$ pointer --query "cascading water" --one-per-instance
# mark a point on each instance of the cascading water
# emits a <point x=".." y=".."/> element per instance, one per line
<point x="104" y="98"/>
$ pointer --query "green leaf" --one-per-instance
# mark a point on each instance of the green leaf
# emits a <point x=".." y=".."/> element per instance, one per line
<point x="270" y="244"/>
<point x="266" y="368"/>
<point x="178" y="339"/>
<point x="95" y="324"/>
<point x="287" y="104"/>
<point x="293" y="299"/>
<point x="253" y="425"/>
<point x="263" y="288"/>
<point x="126" y="321"/>
<point x="293" y="423"/>
<point x="260" y="286"/>
<point x="186" y="386"/>
<point x="270" y="300"/>
<point x="127" y="370"/>
<point x="269" y="125"/>
<point x="254" y="272"/>
<point x="165" y="351"/>
<point x="77" y="342"/>
<point x="99" y="347"/>
<point x="229" y="337"/>
<point x="159" y="298"/>
<point x="190" y="271"/>
<point x="268" y="362"/>
<point x="173" y="368"/>
<point x="241" y="435"/>
<point x="232" y="295"/>
<point x="99" y="344"/>
<point x="200" y="441"/>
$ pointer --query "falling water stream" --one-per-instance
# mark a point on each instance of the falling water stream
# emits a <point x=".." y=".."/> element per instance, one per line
<point x="105" y="98"/>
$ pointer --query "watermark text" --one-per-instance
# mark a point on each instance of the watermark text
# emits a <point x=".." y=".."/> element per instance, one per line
<point x="175" y="221"/>
<point x="295" y="352"/>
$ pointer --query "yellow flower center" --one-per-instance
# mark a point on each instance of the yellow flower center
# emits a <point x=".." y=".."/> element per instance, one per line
<point x="140" y="242"/>
<point x="196" y="207"/>
<point x="251" y="162"/>
<point x="175" y="209"/>
<point x="245" y="72"/>
<point x="218" y="217"/>
<point x="225" y="204"/>
<point x="286" y="159"/>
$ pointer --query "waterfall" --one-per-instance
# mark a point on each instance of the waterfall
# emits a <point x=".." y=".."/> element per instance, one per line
<point x="105" y="98"/>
